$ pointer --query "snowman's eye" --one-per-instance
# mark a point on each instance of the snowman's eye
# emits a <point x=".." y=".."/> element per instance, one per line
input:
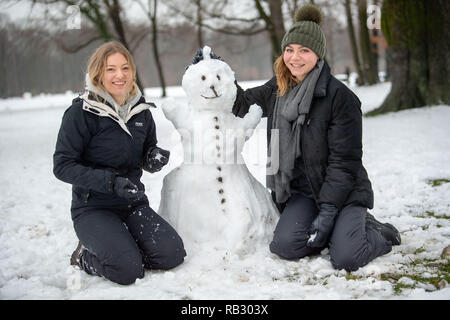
<point x="218" y="77"/>
<point x="203" y="78"/>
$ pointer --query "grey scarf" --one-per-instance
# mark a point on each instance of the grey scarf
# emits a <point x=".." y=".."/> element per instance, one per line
<point x="288" y="117"/>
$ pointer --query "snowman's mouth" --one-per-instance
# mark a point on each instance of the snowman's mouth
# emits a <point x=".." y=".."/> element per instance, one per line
<point x="215" y="93"/>
<point x="211" y="97"/>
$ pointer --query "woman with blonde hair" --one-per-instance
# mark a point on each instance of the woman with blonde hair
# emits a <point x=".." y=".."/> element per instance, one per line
<point x="321" y="187"/>
<point x="107" y="137"/>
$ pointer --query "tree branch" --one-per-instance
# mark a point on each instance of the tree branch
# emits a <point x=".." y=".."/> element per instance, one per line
<point x="227" y="29"/>
<point x="73" y="49"/>
<point x="263" y="15"/>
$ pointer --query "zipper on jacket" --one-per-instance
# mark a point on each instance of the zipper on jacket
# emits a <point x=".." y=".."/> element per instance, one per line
<point x="306" y="168"/>
<point x="86" y="197"/>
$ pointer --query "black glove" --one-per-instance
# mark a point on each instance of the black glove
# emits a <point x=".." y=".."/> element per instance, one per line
<point x="124" y="188"/>
<point x="156" y="159"/>
<point x="321" y="228"/>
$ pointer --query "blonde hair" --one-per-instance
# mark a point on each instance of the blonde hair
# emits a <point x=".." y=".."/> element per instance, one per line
<point x="285" y="79"/>
<point x="97" y="64"/>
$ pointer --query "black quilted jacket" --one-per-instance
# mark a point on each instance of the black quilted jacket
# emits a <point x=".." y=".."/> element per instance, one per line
<point x="331" y="139"/>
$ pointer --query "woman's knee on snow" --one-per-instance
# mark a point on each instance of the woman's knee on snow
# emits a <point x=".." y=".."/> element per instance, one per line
<point x="165" y="253"/>
<point x="289" y="247"/>
<point x="345" y="259"/>
<point x="124" y="268"/>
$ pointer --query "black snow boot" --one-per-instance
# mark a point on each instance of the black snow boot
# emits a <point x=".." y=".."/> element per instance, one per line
<point x="388" y="231"/>
<point x="75" y="259"/>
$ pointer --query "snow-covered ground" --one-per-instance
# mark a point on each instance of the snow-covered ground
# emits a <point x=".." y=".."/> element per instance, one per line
<point x="404" y="153"/>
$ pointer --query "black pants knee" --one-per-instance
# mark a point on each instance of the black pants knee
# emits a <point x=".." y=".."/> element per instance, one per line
<point x="120" y="243"/>
<point x="160" y="245"/>
<point x="290" y="234"/>
<point x="351" y="245"/>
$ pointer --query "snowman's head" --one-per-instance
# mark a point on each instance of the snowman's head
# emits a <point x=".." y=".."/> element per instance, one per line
<point x="209" y="82"/>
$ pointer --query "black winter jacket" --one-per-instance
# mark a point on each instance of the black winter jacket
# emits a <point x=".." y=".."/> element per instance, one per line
<point x="331" y="139"/>
<point x="93" y="147"/>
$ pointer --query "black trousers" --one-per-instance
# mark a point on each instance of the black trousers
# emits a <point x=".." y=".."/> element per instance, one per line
<point x="352" y="244"/>
<point x="120" y="242"/>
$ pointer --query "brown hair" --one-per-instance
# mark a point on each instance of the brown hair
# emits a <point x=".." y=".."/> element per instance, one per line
<point x="97" y="64"/>
<point x="285" y="79"/>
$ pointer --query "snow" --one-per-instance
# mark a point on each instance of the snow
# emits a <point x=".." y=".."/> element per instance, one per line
<point x="403" y="152"/>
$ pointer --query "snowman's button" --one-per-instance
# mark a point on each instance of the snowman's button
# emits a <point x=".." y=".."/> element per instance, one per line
<point x="216" y="119"/>
<point x="220" y="179"/>
<point x="219" y="168"/>
<point x="221" y="191"/>
<point x="218" y="148"/>
<point x="217" y="137"/>
<point x="217" y="127"/>
<point x="222" y="201"/>
<point x="218" y="155"/>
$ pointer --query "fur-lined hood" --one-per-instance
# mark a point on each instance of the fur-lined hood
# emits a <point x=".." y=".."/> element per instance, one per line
<point x="101" y="103"/>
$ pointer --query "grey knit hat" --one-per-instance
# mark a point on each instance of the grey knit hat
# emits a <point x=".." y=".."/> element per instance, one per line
<point x="306" y="30"/>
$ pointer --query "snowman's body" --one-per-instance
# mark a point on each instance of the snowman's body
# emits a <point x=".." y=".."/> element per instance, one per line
<point x="212" y="198"/>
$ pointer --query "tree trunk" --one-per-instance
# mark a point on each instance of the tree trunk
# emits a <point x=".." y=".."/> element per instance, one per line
<point x="114" y="13"/>
<point x="4" y="58"/>
<point x="155" y="47"/>
<point x="351" y="33"/>
<point x="276" y="16"/>
<point x="199" y="23"/>
<point x="417" y="33"/>
<point x="376" y="32"/>
<point x="369" y="63"/>
<point x="274" y="24"/>
<point x="91" y="10"/>
<point x="438" y="33"/>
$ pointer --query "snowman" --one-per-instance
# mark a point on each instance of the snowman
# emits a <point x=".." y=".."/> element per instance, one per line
<point x="211" y="198"/>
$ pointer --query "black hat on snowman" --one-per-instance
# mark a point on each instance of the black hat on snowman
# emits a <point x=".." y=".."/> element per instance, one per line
<point x="204" y="53"/>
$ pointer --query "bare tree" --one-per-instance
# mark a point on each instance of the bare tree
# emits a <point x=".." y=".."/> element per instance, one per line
<point x="274" y="24"/>
<point x="417" y="33"/>
<point x="100" y="13"/>
<point x="368" y="56"/>
<point x="351" y="33"/>
<point x="198" y="4"/>
<point x="267" y="17"/>
<point x="152" y="14"/>
<point x="32" y="55"/>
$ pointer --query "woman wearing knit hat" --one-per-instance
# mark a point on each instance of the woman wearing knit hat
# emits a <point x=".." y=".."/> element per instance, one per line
<point x="314" y="132"/>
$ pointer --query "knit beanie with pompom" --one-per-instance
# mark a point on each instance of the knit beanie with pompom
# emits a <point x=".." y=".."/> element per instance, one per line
<point x="306" y="30"/>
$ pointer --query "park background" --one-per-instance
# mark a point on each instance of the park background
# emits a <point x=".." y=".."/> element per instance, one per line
<point x="393" y="54"/>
